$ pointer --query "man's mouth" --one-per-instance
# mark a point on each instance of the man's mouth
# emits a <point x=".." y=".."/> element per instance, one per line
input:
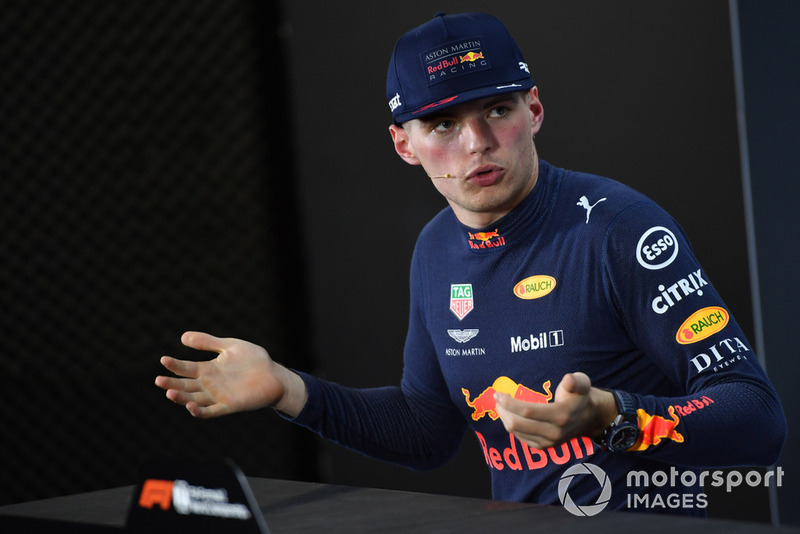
<point x="485" y="175"/>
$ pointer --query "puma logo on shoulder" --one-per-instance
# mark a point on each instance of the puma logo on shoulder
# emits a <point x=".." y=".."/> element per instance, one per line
<point x="584" y="203"/>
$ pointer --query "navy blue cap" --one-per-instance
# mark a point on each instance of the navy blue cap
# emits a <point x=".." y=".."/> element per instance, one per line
<point x="450" y="60"/>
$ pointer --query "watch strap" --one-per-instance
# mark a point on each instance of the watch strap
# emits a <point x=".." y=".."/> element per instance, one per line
<point x="625" y="403"/>
<point x="626" y="421"/>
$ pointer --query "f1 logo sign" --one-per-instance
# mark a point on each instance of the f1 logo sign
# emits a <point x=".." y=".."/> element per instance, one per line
<point x="156" y="492"/>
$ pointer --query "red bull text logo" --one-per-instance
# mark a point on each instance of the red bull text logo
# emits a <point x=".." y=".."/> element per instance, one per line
<point x="535" y="287"/>
<point x="486" y="240"/>
<point x="454" y="64"/>
<point x="443" y="64"/>
<point x="484" y="404"/>
<point x="461" y="302"/>
<point x="533" y="458"/>
<point x="702" y="324"/>
<point x="693" y="405"/>
<point x="654" y="428"/>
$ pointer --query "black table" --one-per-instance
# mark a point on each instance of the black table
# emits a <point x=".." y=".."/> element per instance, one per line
<point x="290" y="506"/>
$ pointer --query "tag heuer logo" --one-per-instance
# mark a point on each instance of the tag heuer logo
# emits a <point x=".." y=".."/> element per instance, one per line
<point x="461" y="302"/>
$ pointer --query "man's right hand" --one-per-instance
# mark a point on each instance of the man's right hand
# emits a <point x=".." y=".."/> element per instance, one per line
<point x="241" y="377"/>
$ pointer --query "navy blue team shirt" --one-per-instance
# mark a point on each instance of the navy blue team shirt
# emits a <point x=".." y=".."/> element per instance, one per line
<point x="587" y="275"/>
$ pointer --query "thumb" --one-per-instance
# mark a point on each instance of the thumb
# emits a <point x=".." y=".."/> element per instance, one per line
<point x="574" y="384"/>
<point x="203" y="341"/>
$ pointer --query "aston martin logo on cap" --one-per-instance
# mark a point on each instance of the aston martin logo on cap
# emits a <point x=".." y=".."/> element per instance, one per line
<point x="454" y="59"/>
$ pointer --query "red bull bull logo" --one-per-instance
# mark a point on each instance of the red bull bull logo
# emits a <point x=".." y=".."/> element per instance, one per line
<point x="486" y="239"/>
<point x="654" y="428"/>
<point x="471" y="56"/>
<point x="484" y="236"/>
<point x="484" y="404"/>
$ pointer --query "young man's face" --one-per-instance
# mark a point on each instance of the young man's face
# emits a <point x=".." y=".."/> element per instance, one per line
<point x="486" y="146"/>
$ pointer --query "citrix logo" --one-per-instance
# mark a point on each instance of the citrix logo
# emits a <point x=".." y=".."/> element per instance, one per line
<point x="682" y="288"/>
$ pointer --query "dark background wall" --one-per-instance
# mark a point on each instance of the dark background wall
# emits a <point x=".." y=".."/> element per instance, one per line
<point x="770" y="53"/>
<point x="226" y="166"/>
<point x="136" y="165"/>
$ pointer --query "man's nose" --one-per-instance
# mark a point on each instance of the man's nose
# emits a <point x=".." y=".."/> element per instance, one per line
<point x="478" y="136"/>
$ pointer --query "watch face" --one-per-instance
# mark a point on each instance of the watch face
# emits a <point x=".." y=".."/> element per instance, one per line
<point x="623" y="437"/>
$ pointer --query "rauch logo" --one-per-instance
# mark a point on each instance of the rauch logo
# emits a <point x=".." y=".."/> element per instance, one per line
<point x="535" y="287"/>
<point x="702" y="324"/>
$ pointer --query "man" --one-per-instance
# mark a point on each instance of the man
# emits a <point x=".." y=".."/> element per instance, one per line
<point x="561" y="316"/>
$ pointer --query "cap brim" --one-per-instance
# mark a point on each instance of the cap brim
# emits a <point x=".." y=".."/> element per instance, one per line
<point x="462" y="98"/>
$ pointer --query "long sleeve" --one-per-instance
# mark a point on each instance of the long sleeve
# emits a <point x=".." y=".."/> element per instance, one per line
<point x="674" y="315"/>
<point x="383" y="423"/>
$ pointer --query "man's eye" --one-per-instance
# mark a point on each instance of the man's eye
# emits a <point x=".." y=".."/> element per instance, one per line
<point x="443" y="126"/>
<point x="499" y="111"/>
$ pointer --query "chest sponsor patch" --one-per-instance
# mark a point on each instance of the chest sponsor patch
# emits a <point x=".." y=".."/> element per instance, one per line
<point x="484" y="240"/>
<point x="461" y="301"/>
<point x="462" y="336"/>
<point x="535" y="287"/>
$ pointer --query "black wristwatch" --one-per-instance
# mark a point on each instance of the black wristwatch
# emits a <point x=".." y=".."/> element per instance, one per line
<point x="623" y="432"/>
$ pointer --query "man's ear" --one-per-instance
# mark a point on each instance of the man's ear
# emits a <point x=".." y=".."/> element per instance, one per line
<point x="537" y="111"/>
<point x="402" y="144"/>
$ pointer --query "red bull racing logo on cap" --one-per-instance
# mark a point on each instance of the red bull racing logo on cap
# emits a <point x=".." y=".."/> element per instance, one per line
<point x="461" y="302"/>
<point x="454" y="59"/>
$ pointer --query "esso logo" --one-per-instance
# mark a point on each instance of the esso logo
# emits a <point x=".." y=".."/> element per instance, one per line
<point x="657" y="248"/>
